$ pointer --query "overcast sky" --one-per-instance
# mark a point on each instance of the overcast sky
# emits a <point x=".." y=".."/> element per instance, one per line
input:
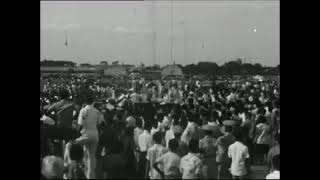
<point x="138" y="31"/>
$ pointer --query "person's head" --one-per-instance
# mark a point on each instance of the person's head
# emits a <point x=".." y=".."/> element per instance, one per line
<point x="64" y="95"/>
<point x="173" y="145"/>
<point x="261" y="111"/>
<point x="228" y="129"/>
<point x="276" y="162"/>
<point x="52" y="167"/>
<point x="208" y="132"/>
<point x="244" y="131"/>
<point x="139" y="122"/>
<point x="261" y="119"/>
<point x="193" y="145"/>
<point x="238" y="135"/>
<point x="76" y="152"/>
<point x="89" y="99"/>
<point x="157" y="137"/>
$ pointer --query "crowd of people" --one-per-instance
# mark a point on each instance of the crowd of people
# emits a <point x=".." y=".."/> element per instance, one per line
<point x="165" y="129"/>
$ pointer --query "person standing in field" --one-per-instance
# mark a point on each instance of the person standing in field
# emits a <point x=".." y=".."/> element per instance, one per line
<point x="89" y="118"/>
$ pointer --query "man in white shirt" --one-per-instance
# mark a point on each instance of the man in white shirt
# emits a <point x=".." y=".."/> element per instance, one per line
<point x="169" y="162"/>
<point x="144" y="142"/>
<point x="276" y="165"/>
<point x="154" y="153"/>
<point x="190" y="163"/>
<point x="88" y="119"/>
<point x="239" y="154"/>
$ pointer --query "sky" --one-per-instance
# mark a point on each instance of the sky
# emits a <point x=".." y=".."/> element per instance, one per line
<point x="144" y="31"/>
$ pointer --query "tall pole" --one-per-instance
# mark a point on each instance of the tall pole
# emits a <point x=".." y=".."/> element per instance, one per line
<point x="172" y="31"/>
<point x="154" y="35"/>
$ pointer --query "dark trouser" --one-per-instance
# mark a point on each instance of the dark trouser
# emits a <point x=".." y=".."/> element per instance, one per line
<point x="237" y="177"/>
<point x="142" y="164"/>
<point x="223" y="171"/>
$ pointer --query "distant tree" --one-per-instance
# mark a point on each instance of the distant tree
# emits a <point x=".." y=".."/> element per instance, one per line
<point x="258" y="68"/>
<point x="239" y="61"/>
<point x="85" y="65"/>
<point x="103" y="62"/>
<point x="56" y="63"/>
<point x="115" y="63"/>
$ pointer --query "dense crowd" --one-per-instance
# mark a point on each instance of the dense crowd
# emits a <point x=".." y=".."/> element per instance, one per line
<point x="164" y="129"/>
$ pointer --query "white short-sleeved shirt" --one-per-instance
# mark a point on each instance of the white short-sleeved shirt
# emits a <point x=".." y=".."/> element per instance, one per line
<point x="238" y="152"/>
<point x="89" y="117"/>
<point x="169" y="135"/>
<point x="189" y="166"/>
<point x="170" y="163"/>
<point x="274" y="175"/>
<point x="136" y="133"/>
<point x="145" y="141"/>
<point x="153" y="154"/>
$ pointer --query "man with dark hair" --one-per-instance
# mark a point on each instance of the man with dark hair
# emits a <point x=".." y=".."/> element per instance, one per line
<point x="170" y="162"/>
<point x="76" y="167"/>
<point x="276" y="164"/>
<point x="190" y="163"/>
<point x="155" y="152"/>
<point x="144" y="142"/>
<point x="239" y="154"/>
<point x="89" y="118"/>
<point x="223" y="143"/>
<point x="183" y="147"/>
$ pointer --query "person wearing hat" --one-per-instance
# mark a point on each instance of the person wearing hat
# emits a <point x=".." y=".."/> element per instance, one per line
<point x="223" y="143"/>
<point x="208" y="139"/>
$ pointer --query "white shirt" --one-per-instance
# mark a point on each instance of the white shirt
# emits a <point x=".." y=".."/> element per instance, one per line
<point x="154" y="130"/>
<point x="170" y="163"/>
<point x="188" y="132"/>
<point x="154" y="153"/>
<point x="238" y="152"/>
<point x="89" y="117"/>
<point x="189" y="166"/>
<point x="169" y="135"/>
<point x="136" y="133"/>
<point x="145" y="141"/>
<point x="274" y="175"/>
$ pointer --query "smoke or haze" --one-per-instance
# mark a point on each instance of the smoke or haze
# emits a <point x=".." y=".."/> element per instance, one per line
<point x="140" y="31"/>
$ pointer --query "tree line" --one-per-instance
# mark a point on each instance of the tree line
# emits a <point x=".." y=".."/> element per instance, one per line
<point x="236" y="67"/>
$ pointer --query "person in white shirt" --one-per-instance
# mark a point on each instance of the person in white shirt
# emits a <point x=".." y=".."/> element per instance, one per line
<point x="88" y="119"/>
<point x="137" y="132"/>
<point x="239" y="154"/>
<point x="276" y="165"/>
<point x="144" y="142"/>
<point x="154" y="153"/>
<point x="190" y="163"/>
<point x="169" y="162"/>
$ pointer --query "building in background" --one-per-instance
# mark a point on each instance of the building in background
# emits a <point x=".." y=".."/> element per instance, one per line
<point x="171" y="70"/>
